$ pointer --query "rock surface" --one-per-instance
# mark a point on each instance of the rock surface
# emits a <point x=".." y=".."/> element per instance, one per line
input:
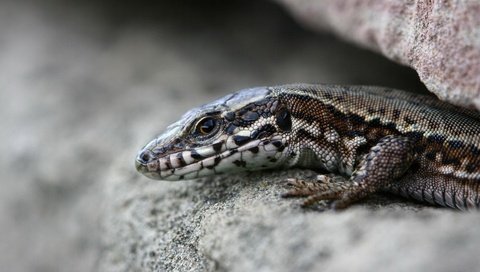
<point x="439" y="39"/>
<point x="83" y="86"/>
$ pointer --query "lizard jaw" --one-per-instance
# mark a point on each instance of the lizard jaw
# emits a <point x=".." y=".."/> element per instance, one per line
<point x="195" y="163"/>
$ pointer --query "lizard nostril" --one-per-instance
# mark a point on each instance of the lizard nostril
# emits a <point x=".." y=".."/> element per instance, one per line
<point x="145" y="156"/>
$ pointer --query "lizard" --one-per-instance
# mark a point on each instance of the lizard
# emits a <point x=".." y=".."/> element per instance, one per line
<point x="360" y="140"/>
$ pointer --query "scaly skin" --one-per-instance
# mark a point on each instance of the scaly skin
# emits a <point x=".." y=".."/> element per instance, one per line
<point x="370" y="138"/>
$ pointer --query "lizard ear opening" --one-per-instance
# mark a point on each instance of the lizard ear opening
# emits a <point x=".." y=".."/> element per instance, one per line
<point x="284" y="119"/>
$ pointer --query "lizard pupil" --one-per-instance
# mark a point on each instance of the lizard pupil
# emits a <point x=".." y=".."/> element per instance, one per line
<point x="206" y="125"/>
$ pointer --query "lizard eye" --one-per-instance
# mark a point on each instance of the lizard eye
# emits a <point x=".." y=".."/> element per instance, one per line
<point x="206" y="125"/>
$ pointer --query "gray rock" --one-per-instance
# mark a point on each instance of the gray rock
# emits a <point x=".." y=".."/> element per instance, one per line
<point x="439" y="39"/>
<point x="242" y="224"/>
<point x="84" y="86"/>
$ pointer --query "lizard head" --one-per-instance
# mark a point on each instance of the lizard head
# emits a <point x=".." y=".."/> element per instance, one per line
<point x="244" y="131"/>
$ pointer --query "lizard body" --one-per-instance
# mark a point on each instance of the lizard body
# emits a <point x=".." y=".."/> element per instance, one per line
<point x="371" y="139"/>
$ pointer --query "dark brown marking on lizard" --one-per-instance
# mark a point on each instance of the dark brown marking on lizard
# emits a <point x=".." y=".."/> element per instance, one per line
<point x="475" y="151"/>
<point x="196" y="156"/>
<point x="284" y="120"/>
<point x="455" y="144"/>
<point x="241" y="140"/>
<point x="230" y="116"/>
<point x="230" y="129"/>
<point x="217" y="147"/>
<point x="450" y="160"/>
<point x="180" y="159"/>
<point x="409" y="120"/>
<point x="396" y="114"/>
<point x="263" y="132"/>
<point x="470" y="168"/>
<point x="431" y="155"/>
<point x="435" y="138"/>
<point x="305" y="135"/>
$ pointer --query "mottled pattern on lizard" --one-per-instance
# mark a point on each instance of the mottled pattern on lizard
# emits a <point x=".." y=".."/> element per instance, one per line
<point x="371" y="139"/>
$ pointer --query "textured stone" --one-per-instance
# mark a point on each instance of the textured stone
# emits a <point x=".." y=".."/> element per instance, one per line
<point x="439" y="39"/>
<point x="84" y="84"/>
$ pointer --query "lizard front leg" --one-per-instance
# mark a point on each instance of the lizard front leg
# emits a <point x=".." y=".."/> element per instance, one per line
<point x="385" y="162"/>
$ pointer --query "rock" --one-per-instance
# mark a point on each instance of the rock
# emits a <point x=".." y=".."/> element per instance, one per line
<point x="85" y="84"/>
<point x="439" y="39"/>
<point x="242" y="224"/>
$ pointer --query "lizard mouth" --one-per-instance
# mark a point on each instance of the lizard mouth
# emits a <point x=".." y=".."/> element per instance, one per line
<point x="207" y="160"/>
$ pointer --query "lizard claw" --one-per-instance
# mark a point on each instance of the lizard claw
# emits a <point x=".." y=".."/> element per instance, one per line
<point x="325" y="187"/>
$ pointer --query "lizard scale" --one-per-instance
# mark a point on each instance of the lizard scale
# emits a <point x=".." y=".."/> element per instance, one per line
<point x="371" y="139"/>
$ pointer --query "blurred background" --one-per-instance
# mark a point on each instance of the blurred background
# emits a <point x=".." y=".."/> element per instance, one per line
<point x="87" y="83"/>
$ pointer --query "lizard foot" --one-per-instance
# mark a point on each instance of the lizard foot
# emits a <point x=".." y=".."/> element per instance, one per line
<point x="325" y="187"/>
<point x="385" y="162"/>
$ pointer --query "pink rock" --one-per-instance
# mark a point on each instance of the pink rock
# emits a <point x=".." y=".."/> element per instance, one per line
<point x="439" y="39"/>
